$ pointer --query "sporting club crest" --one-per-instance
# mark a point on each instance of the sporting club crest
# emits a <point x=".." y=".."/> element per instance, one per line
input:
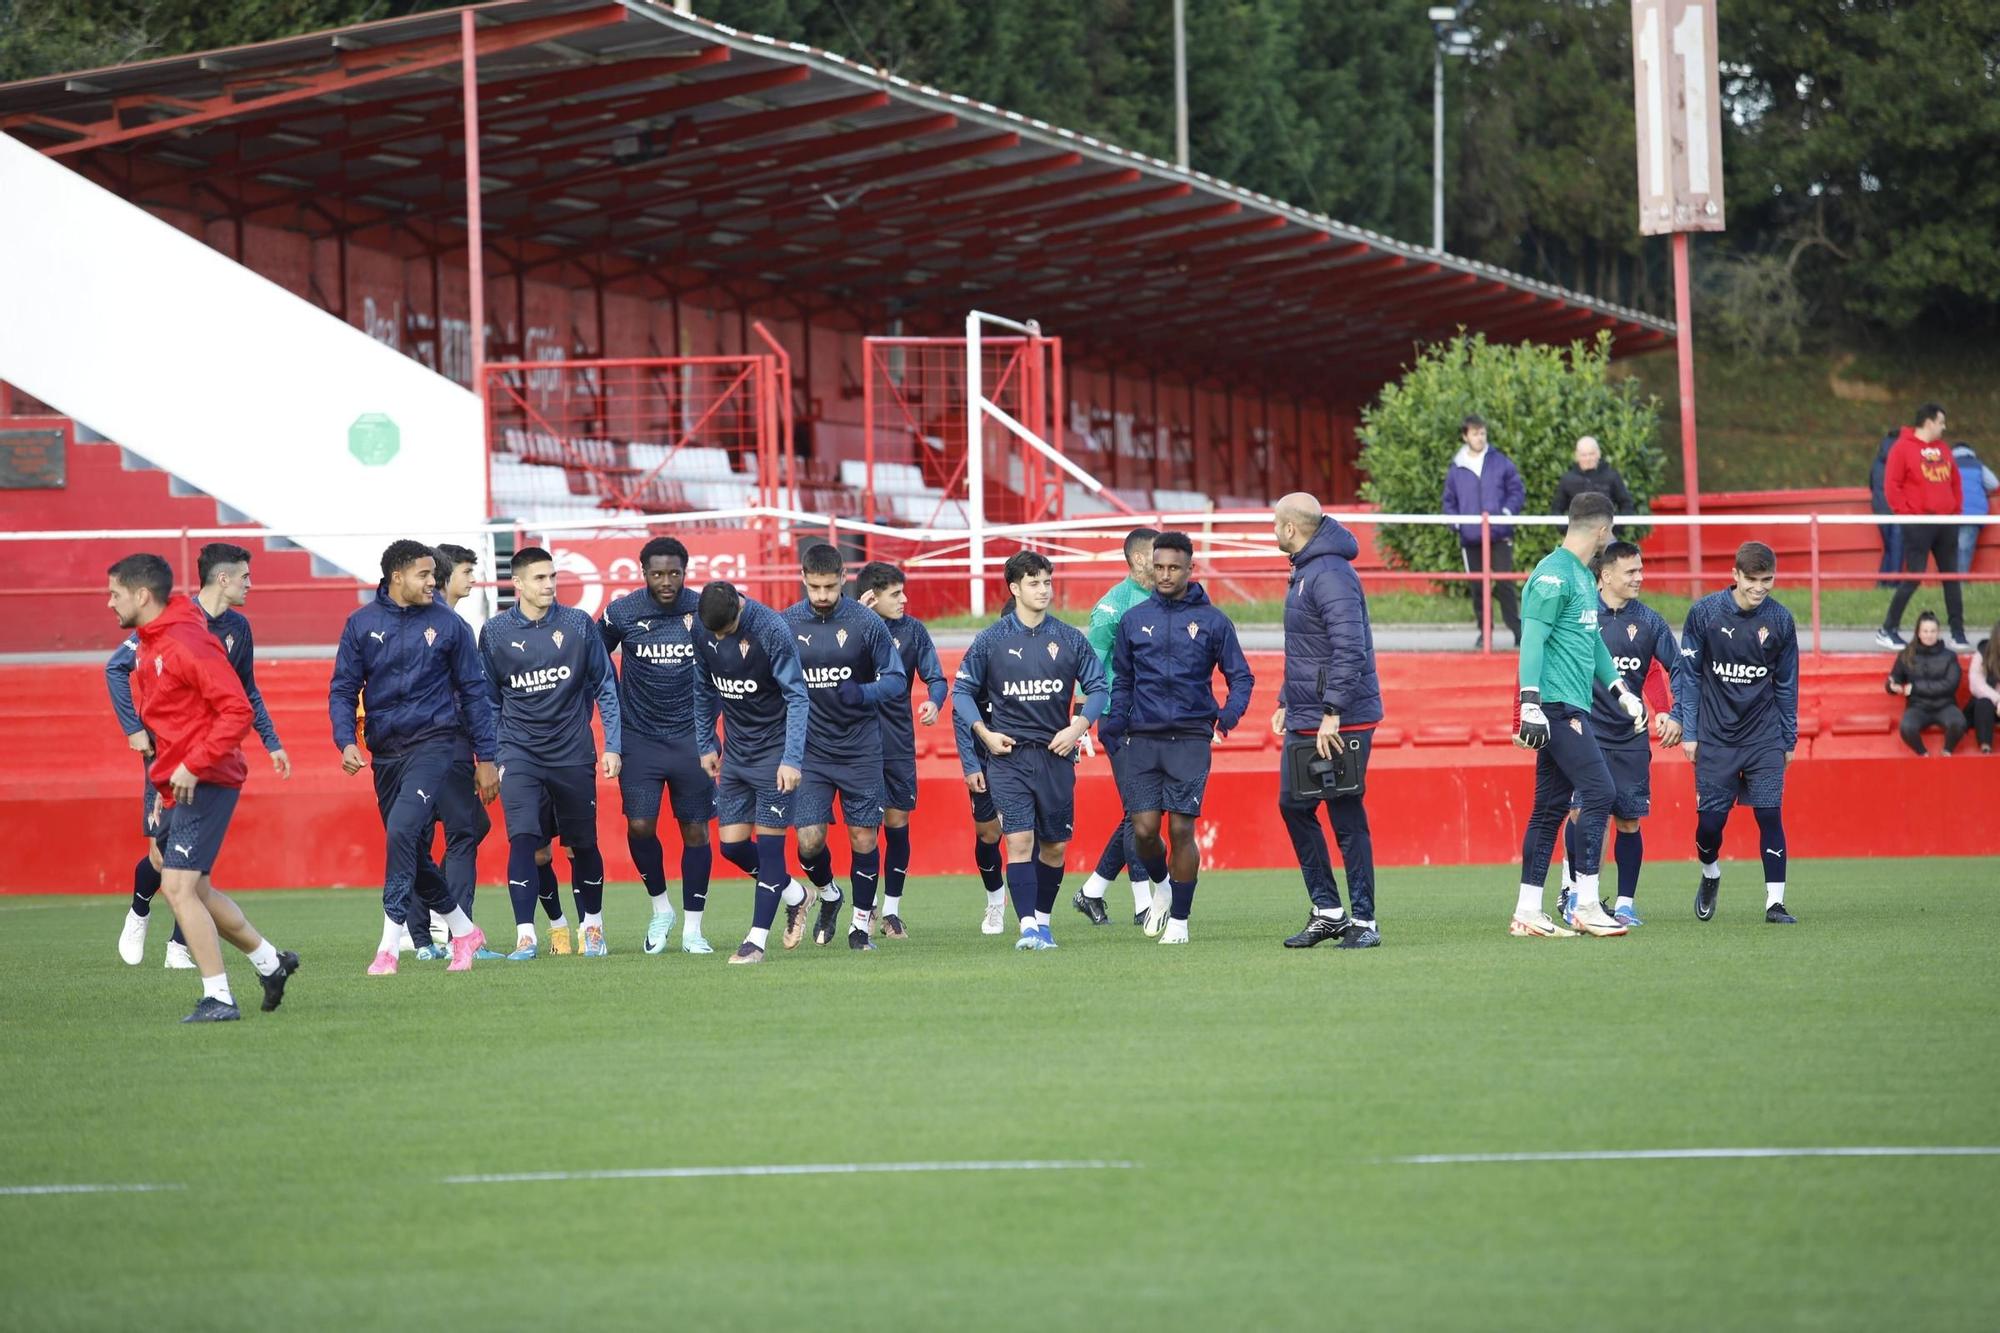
<point x="557" y="636"/>
<point x="840" y="638"/>
<point x="430" y="636"/>
<point x="1576" y="725"/>
<point x="1631" y="631"/>
<point x="229" y="643"/>
<point x="687" y="622"/>
<point x="159" y="666"/>
<point x="1053" y="651"/>
<point x="1763" y="633"/>
<point x="743" y="647"/>
<point x="897" y="642"/>
<point x="1194" y="630"/>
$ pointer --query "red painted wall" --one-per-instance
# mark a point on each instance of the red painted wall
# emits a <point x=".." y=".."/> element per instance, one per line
<point x="1445" y="788"/>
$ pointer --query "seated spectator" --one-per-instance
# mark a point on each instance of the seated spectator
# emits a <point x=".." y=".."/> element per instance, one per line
<point x="1926" y="675"/>
<point x="1985" y="687"/>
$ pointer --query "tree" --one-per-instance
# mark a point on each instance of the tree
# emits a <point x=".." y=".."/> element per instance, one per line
<point x="1536" y="401"/>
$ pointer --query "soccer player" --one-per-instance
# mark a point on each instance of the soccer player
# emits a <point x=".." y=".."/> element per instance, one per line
<point x="224" y="571"/>
<point x="749" y="676"/>
<point x="1561" y="654"/>
<point x="1636" y="636"/>
<point x="1012" y="695"/>
<point x="881" y="589"/>
<point x="1149" y="900"/>
<point x="411" y="660"/>
<point x="1163" y="716"/>
<point x="850" y="668"/>
<point x="546" y="666"/>
<point x="193" y="706"/>
<point x="654" y="629"/>
<point x="1742" y="721"/>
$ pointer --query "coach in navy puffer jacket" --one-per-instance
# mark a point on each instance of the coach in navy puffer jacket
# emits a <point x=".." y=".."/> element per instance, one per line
<point x="1329" y="646"/>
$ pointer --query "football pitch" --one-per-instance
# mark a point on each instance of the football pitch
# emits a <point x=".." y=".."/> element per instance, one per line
<point x="1223" y="1130"/>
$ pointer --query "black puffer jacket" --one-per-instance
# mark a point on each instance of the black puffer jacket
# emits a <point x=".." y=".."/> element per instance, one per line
<point x="1933" y="674"/>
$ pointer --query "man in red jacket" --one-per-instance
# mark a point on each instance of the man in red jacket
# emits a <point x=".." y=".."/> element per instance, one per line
<point x="1922" y="478"/>
<point x="193" y="705"/>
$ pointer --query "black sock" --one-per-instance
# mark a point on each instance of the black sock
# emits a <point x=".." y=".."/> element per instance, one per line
<point x="1048" y="886"/>
<point x="1021" y="888"/>
<point x="696" y="864"/>
<point x="547" y="888"/>
<point x="1771" y="841"/>
<point x="522" y="877"/>
<point x="896" y="861"/>
<point x="651" y="859"/>
<point x="1183" y="890"/>
<point x="742" y="855"/>
<point x="1630" y="851"/>
<point x="866" y="871"/>
<point x="145" y="883"/>
<point x="986" y="855"/>
<point x="818" y="867"/>
<point x="586" y="869"/>
<point x="772" y="877"/>
<point x="1708" y="835"/>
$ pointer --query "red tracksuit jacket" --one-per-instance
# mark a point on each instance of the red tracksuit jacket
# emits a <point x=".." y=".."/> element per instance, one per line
<point x="190" y="699"/>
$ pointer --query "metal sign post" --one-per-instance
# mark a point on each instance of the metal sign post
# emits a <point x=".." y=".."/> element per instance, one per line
<point x="1677" y="102"/>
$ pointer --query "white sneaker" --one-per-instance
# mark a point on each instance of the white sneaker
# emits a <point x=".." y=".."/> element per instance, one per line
<point x="1157" y="914"/>
<point x="1175" y="933"/>
<point x="1592" y="919"/>
<point x="1539" y="925"/>
<point x="996" y="920"/>
<point x="179" y="958"/>
<point x="132" y="939"/>
<point x="440" y="931"/>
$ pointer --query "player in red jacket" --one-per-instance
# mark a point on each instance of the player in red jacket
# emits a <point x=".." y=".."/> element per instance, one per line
<point x="1921" y="480"/>
<point x="193" y="705"/>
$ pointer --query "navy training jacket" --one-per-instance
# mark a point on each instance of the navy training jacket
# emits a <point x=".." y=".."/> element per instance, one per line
<point x="1163" y="662"/>
<point x="417" y="667"/>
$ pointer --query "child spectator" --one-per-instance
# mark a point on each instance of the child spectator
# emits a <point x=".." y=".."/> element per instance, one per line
<point x="1926" y="675"/>
<point x="1985" y="687"/>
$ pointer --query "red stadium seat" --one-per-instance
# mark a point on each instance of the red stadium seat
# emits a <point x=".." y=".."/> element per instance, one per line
<point x="1863" y="724"/>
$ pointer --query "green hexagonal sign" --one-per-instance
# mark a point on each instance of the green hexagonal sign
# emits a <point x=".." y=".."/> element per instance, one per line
<point x="374" y="439"/>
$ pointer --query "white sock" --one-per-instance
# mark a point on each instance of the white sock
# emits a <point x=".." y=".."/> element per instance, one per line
<point x="437" y="920"/>
<point x="1586" y="890"/>
<point x="892" y="905"/>
<point x="525" y="934"/>
<point x="392" y="935"/>
<point x="1041" y="918"/>
<point x="830" y="894"/>
<point x="404" y="939"/>
<point x="996" y="898"/>
<point x="1623" y="902"/>
<point x="1368" y="924"/>
<point x="457" y="922"/>
<point x="217" y="988"/>
<point x="1027" y="924"/>
<point x="759" y="936"/>
<point x="660" y="904"/>
<point x="1095" y="886"/>
<point x="264" y="958"/>
<point x="593" y="921"/>
<point x="1711" y="870"/>
<point x="1568" y="880"/>
<point x="691" y="925"/>
<point x="559" y="923"/>
<point x="1330" y="913"/>
<point x="1773" y="893"/>
<point x="1142" y="893"/>
<point x="1530" y="901"/>
<point x="861" y="919"/>
<point x="794" y="894"/>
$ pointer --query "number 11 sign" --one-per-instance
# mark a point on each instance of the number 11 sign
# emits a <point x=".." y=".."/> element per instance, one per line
<point x="1679" y="109"/>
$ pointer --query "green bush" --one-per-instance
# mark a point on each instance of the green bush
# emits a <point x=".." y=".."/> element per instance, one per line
<point x="1536" y="400"/>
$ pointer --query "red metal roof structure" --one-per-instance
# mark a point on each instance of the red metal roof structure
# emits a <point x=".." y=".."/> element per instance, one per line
<point x="635" y="149"/>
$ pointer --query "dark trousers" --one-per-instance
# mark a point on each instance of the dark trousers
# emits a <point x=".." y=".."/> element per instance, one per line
<point x="466" y="825"/>
<point x="407" y="788"/>
<point x="1350" y="830"/>
<point x="1916" y="717"/>
<point x="1570" y="764"/>
<point x="1923" y="542"/>
<point x="1983" y="715"/>
<point x="1892" y="549"/>
<point x="1503" y="591"/>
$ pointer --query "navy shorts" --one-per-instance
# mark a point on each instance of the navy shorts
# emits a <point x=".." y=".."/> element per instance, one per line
<point x="983" y="809"/>
<point x="195" y="829"/>
<point x="1167" y="773"/>
<point x="748" y="794"/>
<point x="899" y="782"/>
<point x="550" y="802"/>
<point x="1035" y="791"/>
<point x="1730" y="775"/>
<point x="1631" y="780"/>
<point x="858" y="784"/>
<point x="648" y="765"/>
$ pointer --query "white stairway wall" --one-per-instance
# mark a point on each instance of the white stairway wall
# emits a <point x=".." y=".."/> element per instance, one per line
<point x="221" y="377"/>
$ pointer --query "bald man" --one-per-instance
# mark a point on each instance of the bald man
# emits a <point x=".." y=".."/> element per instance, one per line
<point x="1329" y="704"/>
<point x="1592" y="473"/>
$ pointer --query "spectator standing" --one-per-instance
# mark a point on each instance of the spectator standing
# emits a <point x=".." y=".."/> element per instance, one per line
<point x="1926" y="675"/>
<point x="1878" y="503"/>
<point x="1482" y="480"/>
<point x="1922" y="480"/>
<point x="1592" y="473"/>
<point x="1985" y="688"/>
<point x="1975" y="479"/>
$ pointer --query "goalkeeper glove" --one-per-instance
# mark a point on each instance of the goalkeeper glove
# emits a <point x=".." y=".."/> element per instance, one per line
<point x="1534" y="731"/>
<point x="1634" y="709"/>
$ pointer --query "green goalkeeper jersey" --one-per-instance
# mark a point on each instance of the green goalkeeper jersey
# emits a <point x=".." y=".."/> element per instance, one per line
<point x="1123" y="596"/>
<point x="1561" y="650"/>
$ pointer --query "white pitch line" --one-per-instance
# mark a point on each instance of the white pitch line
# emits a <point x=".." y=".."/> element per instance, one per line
<point x="1680" y="1155"/>
<point x="801" y="1169"/>
<point x="87" y="1189"/>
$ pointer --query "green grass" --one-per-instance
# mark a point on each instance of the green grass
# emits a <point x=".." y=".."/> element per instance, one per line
<point x="1255" y="1089"/>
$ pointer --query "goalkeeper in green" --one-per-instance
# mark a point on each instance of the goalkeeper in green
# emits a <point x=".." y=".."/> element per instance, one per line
<point x="1561" y="653"/>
